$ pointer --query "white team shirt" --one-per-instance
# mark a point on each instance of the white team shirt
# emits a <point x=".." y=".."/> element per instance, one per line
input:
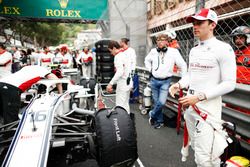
<point x="5" y="64"/>
<point x="122" y="68"/>
<point x="130" y="52"/>
<point x="24" y="78"/>
<point x="161" y="64"/>
<point x="45" y="59"/>
<point x="83" y="57"/>
<point x="16" y="56"/>
<point x="35" y="58"/>
<point x="67" y="59"/>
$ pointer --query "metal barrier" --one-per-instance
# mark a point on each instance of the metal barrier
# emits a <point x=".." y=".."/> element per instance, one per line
<point x="239" y="97"/>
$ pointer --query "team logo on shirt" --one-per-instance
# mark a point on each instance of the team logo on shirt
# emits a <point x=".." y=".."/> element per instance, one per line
<point x="199" y="66"/>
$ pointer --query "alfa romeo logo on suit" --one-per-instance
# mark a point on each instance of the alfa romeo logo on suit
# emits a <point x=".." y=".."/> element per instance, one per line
<point x="63" y="3"/>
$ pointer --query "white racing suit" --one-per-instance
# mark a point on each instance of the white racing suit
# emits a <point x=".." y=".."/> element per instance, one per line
<point x="203" y="137"/>
<point x="122" y="71"/>
<point x="130" y="52"/>
<point x="5" y="64"/>
<point x="212" y="71"/>
<point x="86" y="62"/>
<point x="45" y="59"/>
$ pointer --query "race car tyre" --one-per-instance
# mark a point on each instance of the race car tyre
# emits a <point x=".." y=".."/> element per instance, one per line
<point x="106" y="67"/>
<point x="106" y="77"/>
<point x="105" y="57"/>
<point x="102" y="46"/>
<point x="116" y="137"/>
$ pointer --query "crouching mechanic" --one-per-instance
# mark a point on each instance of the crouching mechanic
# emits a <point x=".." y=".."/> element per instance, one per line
<point x="121" y="78"/>
<point x="211" y="74"/>
<point x="14" y="84"/>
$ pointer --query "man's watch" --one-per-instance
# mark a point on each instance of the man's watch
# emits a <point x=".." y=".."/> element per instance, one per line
<point x="201" y="96"/>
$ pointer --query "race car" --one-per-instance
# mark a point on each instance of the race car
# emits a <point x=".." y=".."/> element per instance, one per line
<point x="62" y="129"/>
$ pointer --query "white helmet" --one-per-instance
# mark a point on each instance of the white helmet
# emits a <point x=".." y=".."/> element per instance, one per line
<point x="241" y="30"/>
<point x="171" y="34"/>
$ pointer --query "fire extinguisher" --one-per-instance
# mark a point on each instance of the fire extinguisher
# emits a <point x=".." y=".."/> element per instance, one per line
<point x="147" y="103"/>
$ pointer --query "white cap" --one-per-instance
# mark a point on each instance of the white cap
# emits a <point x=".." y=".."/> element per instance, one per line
<point x="203" y="14"/>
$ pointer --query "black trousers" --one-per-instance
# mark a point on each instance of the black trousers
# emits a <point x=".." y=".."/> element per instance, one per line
<point x="10" y="102"/>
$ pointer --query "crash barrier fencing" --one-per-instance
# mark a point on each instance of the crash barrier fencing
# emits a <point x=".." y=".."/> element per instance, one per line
<point x="165" y="15"/>
<point x="239" y="98"/>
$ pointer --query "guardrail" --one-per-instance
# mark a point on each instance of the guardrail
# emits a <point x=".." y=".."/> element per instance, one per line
<point x="240" y="98"/>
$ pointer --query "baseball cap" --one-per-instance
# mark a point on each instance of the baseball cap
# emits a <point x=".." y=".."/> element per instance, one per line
<point x="203" y="14"/>
<point x="64" y="48"/>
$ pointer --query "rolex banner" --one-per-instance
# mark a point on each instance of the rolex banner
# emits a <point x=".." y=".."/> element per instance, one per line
<point x="56" y="9"/>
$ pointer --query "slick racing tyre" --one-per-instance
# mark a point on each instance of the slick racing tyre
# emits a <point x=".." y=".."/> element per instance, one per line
<point x="105" y="57"/>
<point x="106" y="67"/>
<point x="106" y="77"/>
<point x="116" y="137"/>
<point x="102" y="46"/>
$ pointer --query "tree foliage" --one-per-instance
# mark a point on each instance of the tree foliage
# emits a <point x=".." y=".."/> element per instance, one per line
<point x="41" y="33"/>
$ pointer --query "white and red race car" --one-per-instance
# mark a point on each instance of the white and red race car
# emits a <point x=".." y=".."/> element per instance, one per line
<point x="62" y="129"/>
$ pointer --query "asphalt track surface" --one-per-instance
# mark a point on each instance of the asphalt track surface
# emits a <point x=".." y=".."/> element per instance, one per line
<point x="156" y="147"/>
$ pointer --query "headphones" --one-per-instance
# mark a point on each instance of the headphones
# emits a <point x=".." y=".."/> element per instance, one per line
<point x="164" y="49"/>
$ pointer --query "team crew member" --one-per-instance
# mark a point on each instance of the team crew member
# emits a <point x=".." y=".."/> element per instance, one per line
<point x="66" y="56"/>
<point x="16" y="59"/>
<point x="56" y="52"/>
<point x="46" y="57"/>
<point x="122" y="71"/>
<point x="13" y="85"/>
<point x="130" y="52"/>
<point x="5" y="62"/>
<point x="35" y="57"/>
<point x="241" y="39"/>
<point x="160" y="62"/>
<point x="211" y="74"/>
<point x="86" y="61"/>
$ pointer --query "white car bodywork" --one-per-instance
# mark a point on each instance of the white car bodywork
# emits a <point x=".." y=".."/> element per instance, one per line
<point x="32" y="140"/>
